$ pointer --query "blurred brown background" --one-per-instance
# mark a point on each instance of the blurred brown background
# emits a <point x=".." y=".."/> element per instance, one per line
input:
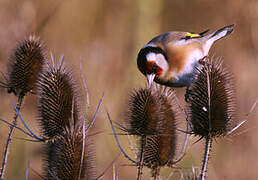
<point x="106" y="36"/>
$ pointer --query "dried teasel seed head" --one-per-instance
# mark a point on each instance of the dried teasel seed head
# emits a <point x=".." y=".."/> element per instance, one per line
<point x="212" y="101"/>
<point x="26" y="63"/>
<point x="58" y="100"/>
<point x="152" y="116"/>
<point x="64" y="157"/>
<point x="148" y="109"/>
<point x="158" y="150"/>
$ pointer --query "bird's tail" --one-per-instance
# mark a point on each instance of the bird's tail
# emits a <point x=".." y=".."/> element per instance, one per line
<point x="214" y="36"/>
<point x="220" y="33"/>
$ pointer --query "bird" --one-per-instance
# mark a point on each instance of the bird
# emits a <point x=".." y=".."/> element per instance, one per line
<point x="172" y="58"/>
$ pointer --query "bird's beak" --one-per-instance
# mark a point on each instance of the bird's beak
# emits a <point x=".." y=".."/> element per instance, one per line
<point x="150" y="78"/>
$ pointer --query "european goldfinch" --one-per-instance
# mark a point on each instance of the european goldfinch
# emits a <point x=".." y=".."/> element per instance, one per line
<point x="172" y="58"/>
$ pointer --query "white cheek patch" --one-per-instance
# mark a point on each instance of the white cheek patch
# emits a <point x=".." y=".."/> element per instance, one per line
<point x="159" y="60"/>
<point x="162" y="62"/>
<point x="151" y="57"/>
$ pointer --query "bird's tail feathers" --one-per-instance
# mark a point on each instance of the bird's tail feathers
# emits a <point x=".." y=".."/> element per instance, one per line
<point x="214" y="36"/>
<point x="220" y="33"/>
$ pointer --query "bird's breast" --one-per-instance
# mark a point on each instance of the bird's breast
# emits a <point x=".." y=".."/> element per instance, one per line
<point x="182" y="60"/>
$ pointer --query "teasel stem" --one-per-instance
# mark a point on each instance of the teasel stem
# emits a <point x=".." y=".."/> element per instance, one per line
<point x="155" y="173"/>
<point x="8" y="141"/>
<point x="83" y="146"/>
<point x="209" y="95"/>
<point x="140" y="166"/>
<point x="115" y="172"/>
<point x="206" y="156"/>
<point x="27" y="171"/>
<point x="208" y="138"/>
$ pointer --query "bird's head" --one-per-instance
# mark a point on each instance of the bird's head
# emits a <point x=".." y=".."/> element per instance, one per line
<point x="152" y="62"/>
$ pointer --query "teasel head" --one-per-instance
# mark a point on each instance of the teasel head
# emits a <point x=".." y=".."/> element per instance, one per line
<point x="152" y="117"/>
<point x="212" y="105"/>
<point x="212" y="101"/>
<point x="68" y="157"/>
<point x="58" y="100"/>
<point x="26" y="63"/>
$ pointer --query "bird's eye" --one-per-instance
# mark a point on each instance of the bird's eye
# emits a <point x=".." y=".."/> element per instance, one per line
<point x="187" y="37"/>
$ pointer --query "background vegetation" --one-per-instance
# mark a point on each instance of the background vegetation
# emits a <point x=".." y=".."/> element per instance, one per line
<point x="105" y="35"/>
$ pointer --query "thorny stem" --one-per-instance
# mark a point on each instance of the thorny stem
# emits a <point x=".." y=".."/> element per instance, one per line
<point x="206" y="156"/>
<point x="140" y="166"/>
<point x="27" y="171"/>
<point x="20" y="99"/>
<point x="83" y="148"/>
<point x="155" y="173"/>
<point x="208" y="138"/>
<point x="209" y="95"/>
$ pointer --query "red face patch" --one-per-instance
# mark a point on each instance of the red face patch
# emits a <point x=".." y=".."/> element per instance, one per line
<point x="149" y="67"/>
<point x="158" y="71"/>
<point x="152" y="67"/>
